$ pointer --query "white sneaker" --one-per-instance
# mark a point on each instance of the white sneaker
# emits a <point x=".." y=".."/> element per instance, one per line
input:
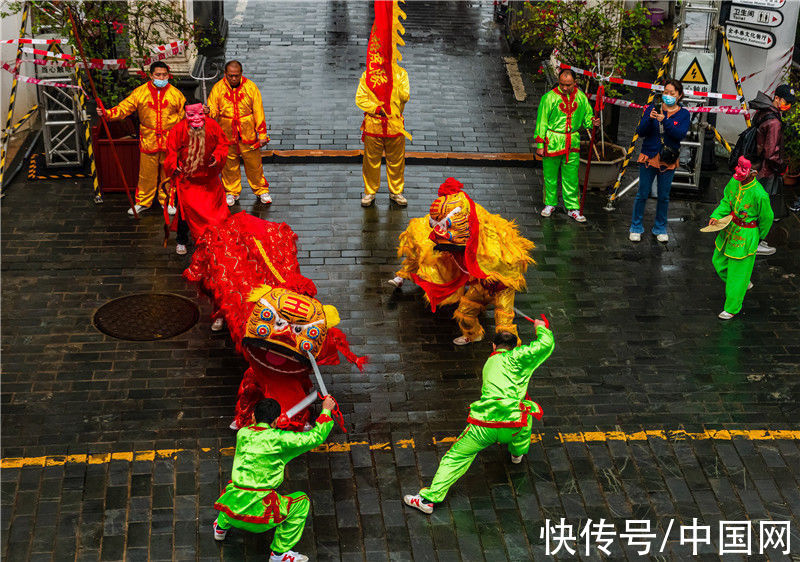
<point x="765" y="249"/>
<point x="464" y="340"/>
<point x="367" y="199"/>
<point x="218" y="323"/>
<point x="265" y="198"/>
<point x="663" y="238"/>
<point x="234" y="426"/>
<point x="180" y="249"/>
<point x="635" y="236"/>
<point x="749" y="285"/>
<point x="230" y="199"/>
<point x="219" y="534"/>
<point x="576" y="214"/>
<point x="171" y="210"/>
<point x="397" y="282"/>
<point x="139" y="209"/>
<point x="419" y="502"/>
<point x="289" y="556"/>
<point x="548" y="210"/>
<point x="516" y="460"/>
<point x="725" y="315"/>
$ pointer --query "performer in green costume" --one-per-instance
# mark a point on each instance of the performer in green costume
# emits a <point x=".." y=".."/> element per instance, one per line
<point x="503" y="414"/>
<point x="251" y="502"/>
<point x="735" y="247"/>
<point x="562" y="112"/>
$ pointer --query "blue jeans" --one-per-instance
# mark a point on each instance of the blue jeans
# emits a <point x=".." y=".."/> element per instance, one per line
<point x="646" y="176"/>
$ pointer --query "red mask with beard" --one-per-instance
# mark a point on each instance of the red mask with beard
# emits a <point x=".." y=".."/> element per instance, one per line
<point x="195" y="115"/>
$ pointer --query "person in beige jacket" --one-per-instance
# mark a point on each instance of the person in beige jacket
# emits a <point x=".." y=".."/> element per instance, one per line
<point x="381" y="134"/>
<point x="235" y="103"/>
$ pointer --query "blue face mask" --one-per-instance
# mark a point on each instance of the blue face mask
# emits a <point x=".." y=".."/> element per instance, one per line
<point x="160" y="83"/>
<point x="669" y="100"/>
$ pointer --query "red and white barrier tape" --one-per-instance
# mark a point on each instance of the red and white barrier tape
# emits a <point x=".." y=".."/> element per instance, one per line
<point x="646" y="85"/>
<point x="730" y="110"/>
<point x="24" y="41"/>
<point x="162" y="52"/>
<point x="38" y="81"/>
<point x="93" y="63"/>
<point x="64" y="64"/>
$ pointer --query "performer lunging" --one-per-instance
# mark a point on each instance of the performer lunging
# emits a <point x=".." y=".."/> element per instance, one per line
<point x="251" y="502"/>
<point x="562" y="112"/>
<point x="503" y="414"/>
<point x="735" y="247"/>
<point x="196" y="150"/>
<point x="461" y="253"/>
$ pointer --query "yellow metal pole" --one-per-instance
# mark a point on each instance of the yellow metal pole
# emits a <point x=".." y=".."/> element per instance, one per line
<point x="659" y="77"/>
<point x="735" y="74"/>
<point x="13" y="95"/>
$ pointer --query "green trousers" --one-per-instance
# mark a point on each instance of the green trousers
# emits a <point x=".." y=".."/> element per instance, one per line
<point x="569" y="180"/>
<point x="294" y="509"/>
<point x="736" y="275"/>
<point x="472" y="441"/>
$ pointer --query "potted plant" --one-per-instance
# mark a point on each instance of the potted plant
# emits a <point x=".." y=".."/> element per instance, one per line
<point x="581" y="34"/>
<point x="113" y="30"/>
<point x="791" y="134"/>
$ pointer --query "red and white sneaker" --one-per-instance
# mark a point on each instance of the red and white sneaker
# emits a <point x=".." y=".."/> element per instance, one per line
<point x="419" y="502"/>
<point x="576" y="214"/>
<point x="219" y="534"/>
<point x="288" y="556"/>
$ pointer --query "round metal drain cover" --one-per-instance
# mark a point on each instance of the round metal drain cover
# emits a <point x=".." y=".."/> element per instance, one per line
<point x="146" y="317"/>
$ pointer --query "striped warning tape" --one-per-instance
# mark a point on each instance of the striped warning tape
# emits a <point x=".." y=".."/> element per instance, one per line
<point x="34" y="174"/>
<point x="727" y="109"/>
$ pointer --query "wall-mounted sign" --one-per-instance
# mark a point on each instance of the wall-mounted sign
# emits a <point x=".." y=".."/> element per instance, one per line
<point x="774" y="4"/>
<point x="756" y="16"/>
<point x="751" y="37"/>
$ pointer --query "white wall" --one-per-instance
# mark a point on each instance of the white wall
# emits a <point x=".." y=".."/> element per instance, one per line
<point x="26" y="93"/>
<point x="753" y="59"/>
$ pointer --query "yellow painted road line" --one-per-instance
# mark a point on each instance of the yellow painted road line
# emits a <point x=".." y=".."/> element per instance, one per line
<point x="578" y="437"/>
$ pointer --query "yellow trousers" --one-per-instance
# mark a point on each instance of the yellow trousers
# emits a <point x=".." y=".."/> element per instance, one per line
<point x="475" y="301"/>
<point x="374" y="148"/>
<point x="151" y="173"/>
<point x="253" y="169"/>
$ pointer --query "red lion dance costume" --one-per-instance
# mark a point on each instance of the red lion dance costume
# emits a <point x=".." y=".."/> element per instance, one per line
<point x="250" y="267"/>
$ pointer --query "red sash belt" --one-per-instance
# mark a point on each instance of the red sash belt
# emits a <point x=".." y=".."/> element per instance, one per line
<point x="739" y="222"/>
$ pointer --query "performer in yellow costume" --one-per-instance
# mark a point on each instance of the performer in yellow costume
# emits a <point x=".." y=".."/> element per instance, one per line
<point x="235" y="103"/>
<point x="461" y="253"/>
<point x="382" y="94"/>
<point x="159" y="106"/>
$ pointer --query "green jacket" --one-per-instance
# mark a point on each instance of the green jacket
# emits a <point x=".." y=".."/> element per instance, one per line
<point x="262" y="453"/>
<point x="505" y="383"/>
<point x="749" y="204"/>
<point x="559" y="119"/>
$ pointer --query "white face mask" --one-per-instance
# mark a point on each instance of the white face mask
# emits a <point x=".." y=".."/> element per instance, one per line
<point x="668" y="100"/>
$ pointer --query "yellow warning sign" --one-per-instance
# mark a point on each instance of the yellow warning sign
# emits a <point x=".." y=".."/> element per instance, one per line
<point x="694" y="74"/>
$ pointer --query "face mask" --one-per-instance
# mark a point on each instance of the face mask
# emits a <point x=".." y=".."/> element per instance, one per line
<point x="786" y="106"/>
<point x="742" y="169"/>
<point x="195" y="116"/>
<point x="668" y="100"/>
<point x="160" y="83"/>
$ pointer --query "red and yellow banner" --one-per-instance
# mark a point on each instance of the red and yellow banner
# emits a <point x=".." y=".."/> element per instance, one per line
<point x="382" y="53"/>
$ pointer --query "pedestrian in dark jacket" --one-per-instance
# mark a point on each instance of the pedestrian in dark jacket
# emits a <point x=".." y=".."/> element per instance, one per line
<point x="674" y="120"/>
<point x="769" y="160"/>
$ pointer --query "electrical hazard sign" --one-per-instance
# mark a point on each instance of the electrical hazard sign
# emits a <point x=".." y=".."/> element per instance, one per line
<point x="694" y="74"/>
<point x="695" y="69"/>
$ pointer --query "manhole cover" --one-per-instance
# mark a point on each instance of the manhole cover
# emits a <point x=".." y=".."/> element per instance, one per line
<point x="146" y="317"/>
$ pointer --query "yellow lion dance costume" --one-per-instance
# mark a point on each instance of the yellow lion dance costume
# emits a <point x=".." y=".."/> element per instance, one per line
<point x="462" y="253"/>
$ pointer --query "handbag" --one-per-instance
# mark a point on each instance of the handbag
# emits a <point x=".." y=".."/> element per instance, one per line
<point x="667" y="155"/>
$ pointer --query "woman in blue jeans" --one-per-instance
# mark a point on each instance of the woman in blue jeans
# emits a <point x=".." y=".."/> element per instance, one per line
<point x="674" y="120"/>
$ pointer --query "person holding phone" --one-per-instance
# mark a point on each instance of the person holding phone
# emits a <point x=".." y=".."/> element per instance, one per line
<point x="663" y="126"/>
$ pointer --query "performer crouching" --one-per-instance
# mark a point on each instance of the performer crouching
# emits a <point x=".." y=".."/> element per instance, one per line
<point x="251" y="502"/>
<point x="196" y="152"/>
<point x="503" y="414"/>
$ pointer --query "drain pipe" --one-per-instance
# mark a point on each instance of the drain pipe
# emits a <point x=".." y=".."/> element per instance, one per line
<point x="8" y="178"/>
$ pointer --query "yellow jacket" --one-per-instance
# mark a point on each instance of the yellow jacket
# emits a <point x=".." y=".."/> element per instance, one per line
<point x="376" y="125"/>
<point x="159" y="110"/>
<point x="239" y="112"/>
